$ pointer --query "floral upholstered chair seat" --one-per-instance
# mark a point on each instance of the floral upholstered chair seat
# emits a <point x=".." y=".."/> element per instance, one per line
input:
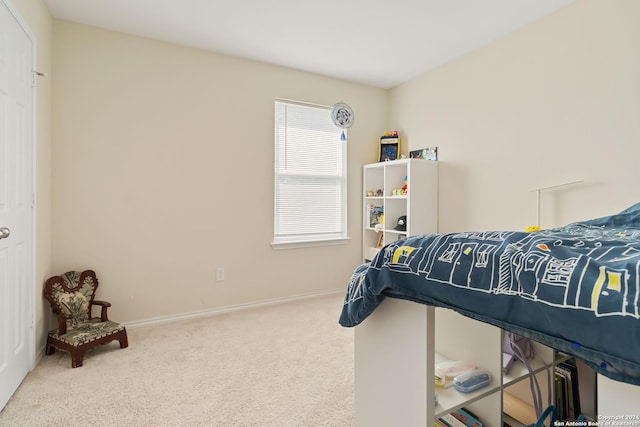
<point x="87" y="331"/>
<point x="71" y="296"/>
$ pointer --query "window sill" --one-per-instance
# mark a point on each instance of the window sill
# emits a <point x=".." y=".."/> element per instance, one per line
<point x="310" y="243"/>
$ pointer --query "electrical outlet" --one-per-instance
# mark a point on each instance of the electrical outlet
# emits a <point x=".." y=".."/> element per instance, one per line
<point x="219" y="274"/>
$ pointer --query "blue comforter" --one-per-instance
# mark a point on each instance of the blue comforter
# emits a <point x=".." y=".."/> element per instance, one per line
<point x="574" y="288"/>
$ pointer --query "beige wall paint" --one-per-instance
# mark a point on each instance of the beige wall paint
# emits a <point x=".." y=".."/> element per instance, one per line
<point x="553" y="102"/>
<point x="163" y="154"/>
<point x="37" y="18"/>
<point x="163" y="171"/>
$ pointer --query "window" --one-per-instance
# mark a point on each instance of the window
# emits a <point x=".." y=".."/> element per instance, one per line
<point x="310" y="176"/>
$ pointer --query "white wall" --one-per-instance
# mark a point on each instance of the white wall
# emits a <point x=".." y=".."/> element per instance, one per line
<point x="553" y="102"/>
<point x="556" y="101"/>
<point x="163" y="171"/>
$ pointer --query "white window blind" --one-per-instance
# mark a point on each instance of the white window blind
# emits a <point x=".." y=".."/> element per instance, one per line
<point x="310" y="175"/>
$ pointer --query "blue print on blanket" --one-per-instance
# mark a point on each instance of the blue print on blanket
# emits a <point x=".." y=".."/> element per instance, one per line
<point x="548" y="267"/>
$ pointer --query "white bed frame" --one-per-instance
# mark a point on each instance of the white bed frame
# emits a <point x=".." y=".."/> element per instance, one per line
<point x="396" y="349"/>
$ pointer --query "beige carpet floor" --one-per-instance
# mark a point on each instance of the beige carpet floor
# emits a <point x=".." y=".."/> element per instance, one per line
<point x="288" y="364"/>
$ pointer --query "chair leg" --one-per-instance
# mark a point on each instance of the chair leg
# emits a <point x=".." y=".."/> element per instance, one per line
<point x="50" y="349"/>
<point x="77" y="358"/>
<point x="124" y="341"/>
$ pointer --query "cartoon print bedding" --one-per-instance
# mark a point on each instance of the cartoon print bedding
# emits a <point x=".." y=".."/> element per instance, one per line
<point x="574" y="288"/>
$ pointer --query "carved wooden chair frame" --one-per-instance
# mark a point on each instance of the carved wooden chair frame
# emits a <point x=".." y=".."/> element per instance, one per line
<point x="71" y="296"/>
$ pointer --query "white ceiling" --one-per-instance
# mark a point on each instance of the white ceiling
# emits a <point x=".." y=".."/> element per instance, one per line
<point x="376" y="42"/>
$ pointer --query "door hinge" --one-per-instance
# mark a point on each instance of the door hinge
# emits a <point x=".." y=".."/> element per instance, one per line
<point x="35" y="73"/>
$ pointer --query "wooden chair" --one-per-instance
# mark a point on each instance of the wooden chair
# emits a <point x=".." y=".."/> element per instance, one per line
<point x="71" y="298"/>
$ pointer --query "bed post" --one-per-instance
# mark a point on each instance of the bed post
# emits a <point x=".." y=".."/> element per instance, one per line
<point x="401" y="334"/>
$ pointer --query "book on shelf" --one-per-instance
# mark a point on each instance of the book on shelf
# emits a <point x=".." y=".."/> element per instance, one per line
<point x="459" y="418"/>
<point x="375" y="215"/>
<point x="450" y="421"/>
<point x="568" y="394"/>
<point x="560" y="389"/>
<point x="468" y="418"/>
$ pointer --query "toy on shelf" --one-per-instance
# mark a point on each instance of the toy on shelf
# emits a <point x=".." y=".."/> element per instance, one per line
<point x="429" y="153"/>
<point x="402" y="191"/>
<point x="389" y="148"/>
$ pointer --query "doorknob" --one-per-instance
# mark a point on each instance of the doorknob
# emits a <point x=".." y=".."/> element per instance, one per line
<point x="4" y="232"/>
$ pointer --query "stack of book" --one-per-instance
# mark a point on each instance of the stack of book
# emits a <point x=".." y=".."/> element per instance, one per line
<point x="567" y="397"/>
<point x="566" y="388"/>
<point x="460" y="418"/>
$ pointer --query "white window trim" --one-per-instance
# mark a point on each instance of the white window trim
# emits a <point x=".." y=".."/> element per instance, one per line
<point x="320" y="242"/>
<point x="310" y="243"/>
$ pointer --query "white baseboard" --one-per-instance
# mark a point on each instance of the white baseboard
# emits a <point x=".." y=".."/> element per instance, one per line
<point x="227" y="309"/>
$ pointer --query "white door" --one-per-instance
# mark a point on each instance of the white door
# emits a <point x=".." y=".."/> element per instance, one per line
<point x="16" y="210"/>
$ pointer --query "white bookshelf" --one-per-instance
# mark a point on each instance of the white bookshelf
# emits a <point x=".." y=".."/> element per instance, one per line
<point x="396" y="350"/>
<point x="419" y="205"/>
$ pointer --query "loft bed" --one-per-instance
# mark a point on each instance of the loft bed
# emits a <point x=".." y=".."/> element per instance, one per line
<point x="574" y="288"/>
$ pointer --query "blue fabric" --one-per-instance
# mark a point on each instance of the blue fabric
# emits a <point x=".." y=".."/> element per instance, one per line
<point x="574" y="288"/>
<point x="551" y="413"/>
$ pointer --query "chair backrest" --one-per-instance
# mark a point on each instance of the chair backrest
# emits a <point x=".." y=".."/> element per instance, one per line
<point x="72" y="293"/>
